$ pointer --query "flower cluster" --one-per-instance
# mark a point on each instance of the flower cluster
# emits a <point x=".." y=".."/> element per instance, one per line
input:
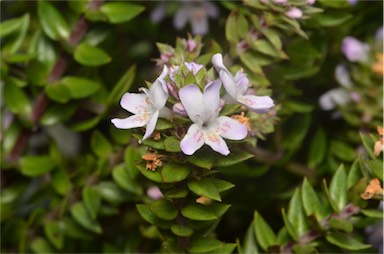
<point x="190" y="91"/>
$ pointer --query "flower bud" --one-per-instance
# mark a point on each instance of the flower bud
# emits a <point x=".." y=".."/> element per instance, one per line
<point x="294" y="13"/>
<point x="354" y="50"/>
<point x="154" y="193"/>
<point x="179" y="109"/>
<point x="281" y="2"/>
<point x="190" y="46"/>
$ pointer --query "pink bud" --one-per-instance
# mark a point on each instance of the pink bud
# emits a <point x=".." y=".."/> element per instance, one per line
<point x="311" y="2"/>
<point x="179" y="109"/>
<point x="282" y="2"/>
<point x="355" y="97"/>
<point x="191" y="45"/>
<point x="294" y="13"/>
<point x="354" y="50"/>
<point x="154" y="193"/>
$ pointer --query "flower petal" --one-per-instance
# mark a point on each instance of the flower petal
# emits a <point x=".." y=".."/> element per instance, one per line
<point x="136" y="103"/>
<point x="229" y="83"/>
<point x="217" y="61"/>
<point x="131" y="122"/>
<point x="230" y="128"/>
<point x="258" y="104"/>
<point x="242" y="82"/>
<point x="159" y="93"/>
<point x="181" y="18"/>
<point x="211" y="98"/>
<point x="192" y="99"/>
<point x="217" y="143"/>
<point x="151" y="125"/>
<point x="199" y="21"/>
<point x="192" y="141"/>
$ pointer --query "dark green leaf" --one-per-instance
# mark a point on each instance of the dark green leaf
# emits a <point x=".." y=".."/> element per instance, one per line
<point x="317" y="148"/>
<point x="81" y="215"/>
<point x="376" y="167"/>
<point x="176" y="193"/>
<point x="52" y="22"/>
<point x="92" y="201"/>
<point x="122" y="86"/>
<point x="234" y="157"/>
<point x="202" y="159"/>
<point x="61" y="181"/>
<point x="54" y="234"/>
<point x="374" y="213"/>
<point x="111" y="193"/>
<point x="242" y="26"/>
<point x="205" y="187"/>
<point x="41" y="245"/>
<point x="100" y="145"/>
<point x="148" y="215"/>
<point x="222" y="185"/>
<point x="16" y="100"/>
<point x="338" y="188"/>
<point x="181" y="230"/>
<point x="203" y="245"/>
<point x="174" y="172"/>
<point x="346" y="241"/>
<point x="172" y="144"/>
<point x="263" y="232"/>
<point x="198" y="212"/>
<point x="57" y="113"/>
<point x="120" y="12"/>
<point x="58" y="92"/>
<point x="368" y="142"/>
<point x="124" y="179"/>
<point x="342" y="151"/>
<point x="311" y="202"/>
<point x="80" y="87"/>
<point x="151" y="175"/>
<point x="340" y="224"/>
<point x="91" y="56"/>
<point x="329" y="19"/>
<point x="36" y="165"/>
<point x="273" y="37"/>
<point x="164" y="209"/>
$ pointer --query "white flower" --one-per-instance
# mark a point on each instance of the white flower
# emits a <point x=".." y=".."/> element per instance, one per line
<point x="237" y="87"/>
<point x="208" y="127"/>
<point x="334" y="97"/>
<point x="354" y="50"/>
<point x="342" y="76"/>
<point x="146" y="107"/>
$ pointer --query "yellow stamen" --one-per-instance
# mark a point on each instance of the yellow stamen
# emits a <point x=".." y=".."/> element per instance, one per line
<point x="377" y="67"/>
<point x="242" y="119"/>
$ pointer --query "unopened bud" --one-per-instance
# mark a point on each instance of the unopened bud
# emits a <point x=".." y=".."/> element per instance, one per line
<point x="179" y="109"/>
<point x="294" y="13"/>
<point x="154" y="193"/>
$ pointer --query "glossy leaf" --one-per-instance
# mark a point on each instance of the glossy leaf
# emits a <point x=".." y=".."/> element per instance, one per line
<point x="80" y="87"/>
<point x="345" y="241"/>
<point x="263" y="232"/>
<point x="338" y="188"/>
<point x="205" y="187"/>
<point x="376" y="168"/>
<point x="91" y="56"/>
<point x="81" y="215"/>
<point x="150" y="217"/>
<point x="120" y="12"/>
<point x="52" y="22"/>
<point x="233" y="158"/>
<point x="164" y="209"/>
<point x="58" y="92"/>
<point x="172" y="144"/>
<point x="92" y="201"/>
<point x="16" y="100"/>
<point x="174" y="172"/>
<point x="311" y="202"/>
<point x="340" y="224"/>
<point x="152" y="175"/>
<point x="100" y="145"/>
<point x="176" y="193"/>
<point x="204" y="244"/>
<point x="36" y="165"/>
<point x="368" y="142"/>
<point x="198" y="212"/>
<point x="181" y="230"/>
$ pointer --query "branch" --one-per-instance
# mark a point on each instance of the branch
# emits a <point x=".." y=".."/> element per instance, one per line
<point x="58" y="70"/>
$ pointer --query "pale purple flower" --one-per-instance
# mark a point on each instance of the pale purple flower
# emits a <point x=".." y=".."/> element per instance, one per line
<point x="146" y="107"/>
<point x="197" y="13"/>
<point x="281" y="2"/>
<point x="159" y="12"/>
<point x="342" y="76"/>
<point x="154" y="193"/>
<point x="352" y="2"/>
<point x="334" y="97"/>
<point x="208" y="127"/>
<point x="310" y="2"/>
<point x="193" y="67"/>
<point x="237" y="87"/>
<point x="294" y="13"/>
<point x="354" y="50"/>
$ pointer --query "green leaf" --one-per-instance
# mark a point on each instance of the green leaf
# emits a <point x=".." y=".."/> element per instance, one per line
<point x="54" y="234"/>
<point x="289" y="227"/>
<point x="91" y="56"/>
<point x="222" y="185"/>
<point x="122" y="86"/>
<point x="263" y="232"/>
<point x="346" y="241"/>
<point x="57" y="114"/>
<point x="111" y="193"/>
<point x="16" y="100"/>
<point x="150" y="217"/>
<point x="204" y="244"/>
<point x="273" y="37"/>
<point x="311" y="202"/>
<point x="202" y="159"/>
<point x="296" y="214"/>
<point x="376" y="167"/>
<point x="342" y="151"/>
<point x="234" y="157"/>
<point x="100" y="145"/>
<point x="61" y="181"/>
<point x="198" y="212"/>
<point x="340" y="224"/>
<point x="368" y="142"/>
<point x="79" y="6"/>
<point x="317" y="148"/>
<point x="92" y="201"/>
<point x="41" y="245"/>
<point x="53" y="24"/>
<point x="9" y="26"/>
<point x="249" y="244"/>
<point x="122" y="177"/>
<point x="263" y="46"/>
<point x="80" y="214"/>
<point x="164" y="209"/>
<point x="36" y="165"/>
<point x="176" y="193"/>
<point x="172" y="144"/>
<point x="338" y="188"/>
<point x="174" y="172"/>
<point x="13" y="46"/>
<point x="120" y="12"/>
<point x="80" y="87"/>
<point x="231" y="28"/>
<point x="151" y="175"/>
<point x="242" y="26"/>
<point x="58" y="92"/>
<point x="374" y="213"/>
<point x="329" y="19"/>
<point x="156" y="144"/>
<point x="205" y="187"/>
<point x="181" y="230"/>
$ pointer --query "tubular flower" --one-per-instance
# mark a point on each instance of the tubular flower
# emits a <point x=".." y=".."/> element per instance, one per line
<point x="208" y="127"/>
<point x="146" y="107"/>
<point x="237" y="87"/>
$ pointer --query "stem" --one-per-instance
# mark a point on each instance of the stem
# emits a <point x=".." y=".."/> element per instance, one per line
<point x="58" y="70"/>
<point x="183" y="241"/>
